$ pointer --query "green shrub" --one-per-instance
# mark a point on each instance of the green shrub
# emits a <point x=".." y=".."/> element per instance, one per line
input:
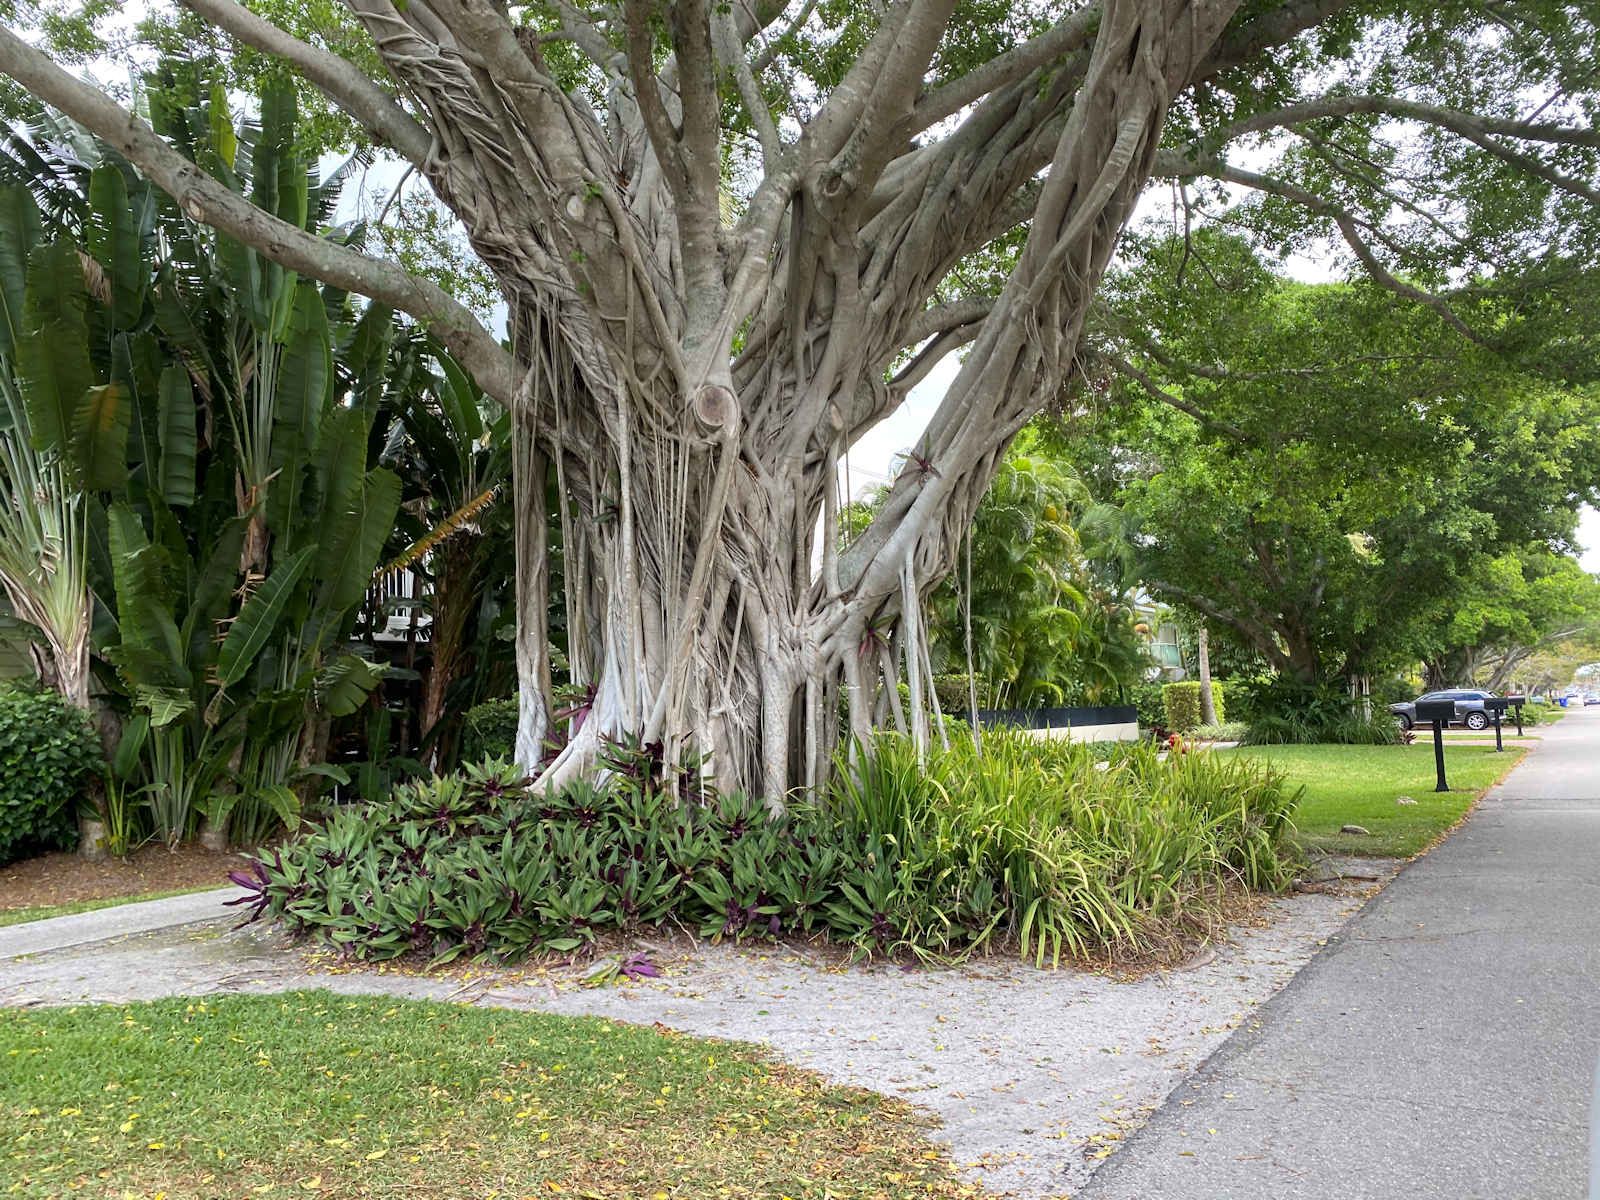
<point x="1222" y="731"/>
<point x="1534" y="715"/>
<point x="1030" y="841"/>
<point x="473" y="864"/>
<point x="1152" y="706"/>
<point x="47" y="751"/>
<point x="954" y="696"/>
<point x="489" y="730"/>
<point x="1053" y="848"/>
<point x="1182" y="703"/>
<point x="1348" y="729"/>
<point x="1284" y="712"/>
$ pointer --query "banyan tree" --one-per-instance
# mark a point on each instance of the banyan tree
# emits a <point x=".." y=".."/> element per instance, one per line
<point x="731" y="235"/>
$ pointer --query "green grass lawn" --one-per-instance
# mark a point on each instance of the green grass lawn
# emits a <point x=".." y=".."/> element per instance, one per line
<point x="308" y="1093"/>
<point x="1358" y="785"/>
<point x="21" y="916"/>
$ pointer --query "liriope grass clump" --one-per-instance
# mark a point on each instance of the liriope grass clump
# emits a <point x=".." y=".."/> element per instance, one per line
<point x="1059" y="849"/>
<point x="1052" y="850"/>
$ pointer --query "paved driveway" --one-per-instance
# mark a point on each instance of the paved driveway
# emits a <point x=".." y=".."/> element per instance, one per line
<point x="1443" y="1045"/>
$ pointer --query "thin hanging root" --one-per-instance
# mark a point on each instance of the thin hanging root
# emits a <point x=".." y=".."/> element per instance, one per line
<point x="911" y="630"/>
<point x="972" y="672"/>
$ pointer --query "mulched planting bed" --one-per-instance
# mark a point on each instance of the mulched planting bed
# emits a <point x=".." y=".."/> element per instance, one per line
<point x="62" y="878"/>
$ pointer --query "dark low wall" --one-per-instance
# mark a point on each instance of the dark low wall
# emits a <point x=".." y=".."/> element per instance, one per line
<point x="1059" y="718"/>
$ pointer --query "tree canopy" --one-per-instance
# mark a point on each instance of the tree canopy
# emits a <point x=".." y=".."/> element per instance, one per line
<point x="1327" y="474"/>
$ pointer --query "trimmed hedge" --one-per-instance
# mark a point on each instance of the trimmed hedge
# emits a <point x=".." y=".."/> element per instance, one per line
<point x="1182" y="702"/>
<point x="47" y="749"/>
<point x="1147" y="698"/>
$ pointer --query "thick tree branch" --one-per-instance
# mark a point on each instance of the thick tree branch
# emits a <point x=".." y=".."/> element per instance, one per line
<point x="769" y="53"/>
<point x="207" y="201"/>
<point x="944" y="317"/>
<point x="1272" y="28"/>
<point x="1467" y="125"/>
<point x="730" y="51"/>
<point x="1071" y="33"/>
<point x="1181" y="166"/>
<point x="922" y="363"/>
<point x="1253" y="629"/>
<point x="340" y="80"/>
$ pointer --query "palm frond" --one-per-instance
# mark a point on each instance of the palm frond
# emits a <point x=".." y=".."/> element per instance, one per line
<point x="438" y="535"/>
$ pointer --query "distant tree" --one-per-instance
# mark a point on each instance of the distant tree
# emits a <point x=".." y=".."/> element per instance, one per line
<point x="1315" y="468"/>
<point x="1514" y="607"/>
<point x="1050" y="616"/>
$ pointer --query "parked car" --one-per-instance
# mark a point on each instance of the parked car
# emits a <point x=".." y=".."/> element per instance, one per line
<point x="1469" y="708"/>
<point x="1590" y="698"/>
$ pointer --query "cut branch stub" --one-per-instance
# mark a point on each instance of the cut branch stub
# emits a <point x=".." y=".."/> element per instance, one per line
<point x="715" y="407"/>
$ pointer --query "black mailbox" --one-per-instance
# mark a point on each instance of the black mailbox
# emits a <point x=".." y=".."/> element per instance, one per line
<point x="1436" y="710"/>
<point x="1441" y="713"/>
<point x="1497" y="706"/>
<point x="1516" y="703"/>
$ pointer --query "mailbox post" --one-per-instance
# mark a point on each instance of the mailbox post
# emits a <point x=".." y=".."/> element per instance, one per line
<point x="1497" y="706"/>
<point x="1441" y="713"/>
<point x="1516" y="703"/>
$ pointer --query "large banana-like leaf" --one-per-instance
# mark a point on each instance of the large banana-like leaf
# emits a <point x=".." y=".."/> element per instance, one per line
<point x="151" y="651"/>
<point x="259" y="619"/>
<point x="212" y="593"/>
<point x="176" y="430"/>
<point x="358" y="527"/>
<point x="342" y="687"/>
<point x="176" y="324"/>
<point x="114" y="238"/>
<point x="20" y="231"/>
<point x="280" y="174"/>
<point x="283" y="802"/>
<point x="242" y="271"/>
<point x="224" y="141"/>
<point x="100" y="436"/>
<point x="53" y="349"/>
<point x="135" y="731"/>
<point x="459" y="399"/>
<point x="359" y="511"/>
<point x="303" y="395"/>
<point x="164" y="705"/>
<point x="366" y="355"/>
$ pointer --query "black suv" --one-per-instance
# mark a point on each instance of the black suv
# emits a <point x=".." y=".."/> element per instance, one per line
<point x="1469" y="708"/>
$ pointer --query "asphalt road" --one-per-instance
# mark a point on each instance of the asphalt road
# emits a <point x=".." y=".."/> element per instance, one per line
<point x="1443" y="1045"/>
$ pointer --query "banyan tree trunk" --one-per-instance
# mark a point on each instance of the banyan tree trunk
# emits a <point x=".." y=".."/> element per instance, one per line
<point x="713" y="606"/>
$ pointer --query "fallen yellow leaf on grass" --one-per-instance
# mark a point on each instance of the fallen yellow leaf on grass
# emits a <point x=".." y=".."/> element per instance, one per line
<point x="376" y="1155"/>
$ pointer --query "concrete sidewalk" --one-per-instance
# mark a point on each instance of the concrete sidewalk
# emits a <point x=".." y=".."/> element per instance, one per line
<point x="1442" y="1046"/>
<point x="102" y="924"/>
